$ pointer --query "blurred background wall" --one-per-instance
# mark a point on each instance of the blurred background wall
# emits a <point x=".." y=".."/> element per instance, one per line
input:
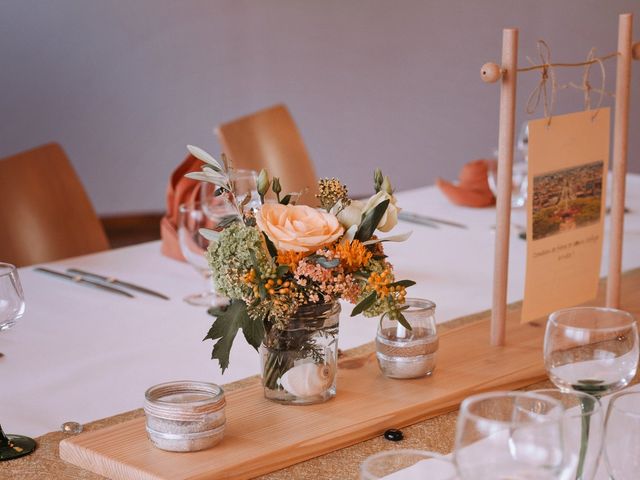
<point x="124" y="85"/>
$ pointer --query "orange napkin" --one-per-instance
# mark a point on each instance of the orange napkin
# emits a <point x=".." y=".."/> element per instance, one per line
<point x="472" y="189"/>
<point x="179" y="190"/>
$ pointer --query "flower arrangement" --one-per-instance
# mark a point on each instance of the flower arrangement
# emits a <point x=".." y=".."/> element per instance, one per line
<point x="284" y="257"/>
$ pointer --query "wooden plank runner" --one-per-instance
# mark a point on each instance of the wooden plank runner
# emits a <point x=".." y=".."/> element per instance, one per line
<point x="262" y="436"/>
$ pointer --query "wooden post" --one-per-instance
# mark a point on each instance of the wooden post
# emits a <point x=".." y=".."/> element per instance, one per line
<point x="504" y="183"/>
<point x="620" y="137"/>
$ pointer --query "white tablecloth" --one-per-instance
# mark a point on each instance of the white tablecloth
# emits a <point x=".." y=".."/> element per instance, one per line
<point x="80" y="354"/>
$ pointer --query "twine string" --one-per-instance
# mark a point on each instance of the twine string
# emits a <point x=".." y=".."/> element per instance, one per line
<point x="540" y="92"/>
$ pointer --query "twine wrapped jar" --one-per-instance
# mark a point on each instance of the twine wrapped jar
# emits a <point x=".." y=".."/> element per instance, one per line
<point x="404" y="353"/>
<point x="185" y="416"/>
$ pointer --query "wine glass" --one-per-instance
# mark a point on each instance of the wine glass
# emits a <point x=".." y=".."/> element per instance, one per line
<point x="191" y="218"/>
<point x="12" y="308"/>
<point x="622" y="436"/>
<point x="12" y="304"/>
<point x="510" y="435"/>
<point x="244" y="185"/>
<point x="407" y="464"/>
<point x="583" y="425"/>
<point x="591" y="349"/>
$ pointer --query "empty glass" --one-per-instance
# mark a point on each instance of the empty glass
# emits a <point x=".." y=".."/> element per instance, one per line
<point x="583" y="425"/>
<point x="509" y="435"/>
<point x="519" y="173"/>
<point x="193" y="246"/>
<point x="591" y="349"/>
<point x="12" y="304"/>
<point x="622" y="437"/>
<point x="407" y="465"/>
<point x="245" y="192"/>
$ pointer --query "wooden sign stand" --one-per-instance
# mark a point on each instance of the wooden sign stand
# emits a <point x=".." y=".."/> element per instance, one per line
<point x="507" y="72"/>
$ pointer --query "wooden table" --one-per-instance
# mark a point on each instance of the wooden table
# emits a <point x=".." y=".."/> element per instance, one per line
<point x="435" y="434"/>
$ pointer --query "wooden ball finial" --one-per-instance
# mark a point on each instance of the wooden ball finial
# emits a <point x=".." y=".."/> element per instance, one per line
<point x="635" y="51"/>
<point x="490" y="72"/>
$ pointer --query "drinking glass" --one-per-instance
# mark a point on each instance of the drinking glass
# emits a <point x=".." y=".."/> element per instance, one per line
<point x="407" y="465"/>
<point x="193" y="245"/>
<point x="11" y="296"/>
<point x="244" y="185"/>
<point x="12" y="308"/>
<point x="622" y="436"/>
<point x="509" y="435"/>
<point x="591" y="349"/>
<point x="583" y="425"/>
<point x="519" y="173"/>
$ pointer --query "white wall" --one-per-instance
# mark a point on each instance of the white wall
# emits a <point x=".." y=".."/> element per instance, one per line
<point x="124" y="85"/>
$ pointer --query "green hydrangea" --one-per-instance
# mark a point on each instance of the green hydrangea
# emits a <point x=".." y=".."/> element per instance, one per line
<point x="230" y="259"/>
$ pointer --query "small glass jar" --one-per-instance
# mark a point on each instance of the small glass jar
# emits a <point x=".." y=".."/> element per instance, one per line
<point x="299" y="362"/>
<point x="185" y="416"/>
<point x="404" y="353"/>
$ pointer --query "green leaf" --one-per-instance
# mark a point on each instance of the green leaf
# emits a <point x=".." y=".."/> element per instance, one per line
<point x="364" y="304"/>
<point x="403" y="321"/>
<point x="227" y="220"/>
<point x="326" y="263"/>
<point x="403" y="283"/>
<point x="224" y="330"/>
<point x="253" y="330"/>
<point x="273" y="251"/>
<point x="370" y="221"/>
<point x="286" y="199"/>
<point x="282" y="270"/>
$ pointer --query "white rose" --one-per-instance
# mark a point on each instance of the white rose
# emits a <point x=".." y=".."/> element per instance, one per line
<point x="390" y="217"/>
<point x="349" y="216"/>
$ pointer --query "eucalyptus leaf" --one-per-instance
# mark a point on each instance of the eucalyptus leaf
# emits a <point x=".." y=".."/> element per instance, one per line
<point x="403" y="283"/>
<point x="206" y="157"/>
<point x="209" y="234"/>
<point x="325" y="262"/>
<point x="228" y="220"/>
<point x="273" y="251"/>
<point x="282" y="270"/>
<point x="403" y="321"/>
<point x="393" y="238"/>
<point x="364" y="304"/>
<point x="286" y="199"/>
<point x="370" y="221"/>
<point x="206" y="177"/>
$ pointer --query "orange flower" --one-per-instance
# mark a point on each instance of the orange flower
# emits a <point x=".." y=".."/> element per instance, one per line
<point x="291" y="258"/>
<point x="353" y="255"/>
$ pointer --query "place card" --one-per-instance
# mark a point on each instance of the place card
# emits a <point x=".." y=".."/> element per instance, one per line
<point x="568" y="163"/>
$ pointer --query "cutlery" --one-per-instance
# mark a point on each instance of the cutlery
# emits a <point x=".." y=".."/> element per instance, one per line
<point x="429" y="221"/>
<point x="83" y="281"/>
<point x="120" y="283"/>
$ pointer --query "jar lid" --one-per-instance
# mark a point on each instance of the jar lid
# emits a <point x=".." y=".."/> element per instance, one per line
<point x="183" y="400"/>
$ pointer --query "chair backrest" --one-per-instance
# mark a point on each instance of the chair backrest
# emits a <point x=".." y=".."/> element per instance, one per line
<point x="45" y="214"/>
<point x="270" y="139"/>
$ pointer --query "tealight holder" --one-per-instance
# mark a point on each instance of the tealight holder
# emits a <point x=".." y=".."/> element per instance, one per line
<point x="185" y="416"/>
<point x="404" y="353"/>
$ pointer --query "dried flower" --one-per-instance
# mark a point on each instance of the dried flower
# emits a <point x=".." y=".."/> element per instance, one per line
<point x="330" y="191"/>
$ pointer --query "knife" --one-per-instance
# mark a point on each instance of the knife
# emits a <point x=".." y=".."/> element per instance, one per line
<point x="428" y="221"/>
<point x="83" y="281"/>
<point x="120" y="283"/>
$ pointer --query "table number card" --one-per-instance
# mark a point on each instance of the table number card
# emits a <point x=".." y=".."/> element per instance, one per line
<point x="568" y="162"/>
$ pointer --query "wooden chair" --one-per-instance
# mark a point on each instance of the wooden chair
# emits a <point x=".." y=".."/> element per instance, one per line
<point x="45" y="214"/>
<point x="270" y="139"/>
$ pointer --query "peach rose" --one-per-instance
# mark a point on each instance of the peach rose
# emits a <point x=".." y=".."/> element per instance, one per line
<point x="298" y="228"/>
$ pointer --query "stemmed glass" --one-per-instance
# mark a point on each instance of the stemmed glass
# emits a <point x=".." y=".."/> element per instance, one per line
<point x="583" y="425"/>
<point x="244" y="185"/>
<point x="592" y="350"/>
<point x="407" y="464"/>
<point x="12" y="308"/>
<point x="622" y="437"/>
<point x="191" y="218"/>
<point x="514" y="435"/>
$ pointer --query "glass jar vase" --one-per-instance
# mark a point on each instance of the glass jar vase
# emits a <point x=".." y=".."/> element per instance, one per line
<point x="300" y="361"/>
<point x="404" y="353"/>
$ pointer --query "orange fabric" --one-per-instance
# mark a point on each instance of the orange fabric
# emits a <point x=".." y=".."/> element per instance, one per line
<point x="179" y="190"/>
<point x="472" y="189"/>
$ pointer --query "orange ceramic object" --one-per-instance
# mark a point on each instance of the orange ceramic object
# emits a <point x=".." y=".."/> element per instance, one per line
<point x="472" y="189"/>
